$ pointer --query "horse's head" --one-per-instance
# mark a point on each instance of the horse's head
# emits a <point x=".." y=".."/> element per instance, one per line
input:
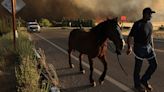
<point x="113" y="32"/>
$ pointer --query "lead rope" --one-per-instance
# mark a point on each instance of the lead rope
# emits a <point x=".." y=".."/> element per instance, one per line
<point x="122" y="68"/>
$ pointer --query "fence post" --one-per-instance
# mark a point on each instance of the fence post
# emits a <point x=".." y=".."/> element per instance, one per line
<point x="13" y="3"/>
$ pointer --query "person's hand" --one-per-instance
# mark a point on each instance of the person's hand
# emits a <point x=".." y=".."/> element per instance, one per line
<point x="129" y="51"/>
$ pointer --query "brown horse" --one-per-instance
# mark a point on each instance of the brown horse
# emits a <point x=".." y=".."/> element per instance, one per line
<point x="94" y="44"/>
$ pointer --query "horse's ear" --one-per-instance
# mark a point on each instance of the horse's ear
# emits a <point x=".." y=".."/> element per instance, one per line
<point x="107" y="18"/>
<point x="115" y="19"/>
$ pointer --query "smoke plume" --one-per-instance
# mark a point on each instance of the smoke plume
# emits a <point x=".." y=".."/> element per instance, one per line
<point x="57" y="9"/>
<point x="130" y="8"/>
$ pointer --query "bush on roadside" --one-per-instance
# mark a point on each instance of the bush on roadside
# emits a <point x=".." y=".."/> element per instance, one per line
<point x="45" y="23"/>
<point x="5" y="25"/>
<point x="25" y="63"/>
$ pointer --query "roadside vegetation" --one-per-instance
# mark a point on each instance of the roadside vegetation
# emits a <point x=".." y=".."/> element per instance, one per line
<point x="18" y="67"/>
<point x="5" y="25"/>
<point x="21" y="62"/>
<point x="45" y="22"/>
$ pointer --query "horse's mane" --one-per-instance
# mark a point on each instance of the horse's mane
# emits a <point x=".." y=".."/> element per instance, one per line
<point x="99" y="31"/>
<point x="97" y="27"/>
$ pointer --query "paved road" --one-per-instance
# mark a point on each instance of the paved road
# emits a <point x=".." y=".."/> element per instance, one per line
<point x="54" y="42"/>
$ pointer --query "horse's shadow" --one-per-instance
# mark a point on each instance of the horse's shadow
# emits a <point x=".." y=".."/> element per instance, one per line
<point x="76" y="89"/>
<point x="69" y="74"/>
<point x="63" y="68"/>
<point x="72" y="73"/>
<point x="66" y="71"/>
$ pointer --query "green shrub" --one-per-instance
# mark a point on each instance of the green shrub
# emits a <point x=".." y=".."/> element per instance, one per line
<point x="5" y="24"/>
<point x="20" y="23"/>
<point x="45" y="22"/>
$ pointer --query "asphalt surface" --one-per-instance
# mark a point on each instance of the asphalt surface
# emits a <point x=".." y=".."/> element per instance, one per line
<point x="55" y="44"/>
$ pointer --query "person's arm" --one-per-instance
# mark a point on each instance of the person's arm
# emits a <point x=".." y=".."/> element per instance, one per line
<point x="152" y="42"/>
<point x="130" y="39"/>
<point x="129" y="44"/>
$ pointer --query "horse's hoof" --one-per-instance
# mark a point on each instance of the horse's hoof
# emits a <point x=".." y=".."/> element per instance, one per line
<point x="82" y="71"/>
<point x="93" y="84"/>
<point x="101" y="82"/>
<point x="72" y="66"/>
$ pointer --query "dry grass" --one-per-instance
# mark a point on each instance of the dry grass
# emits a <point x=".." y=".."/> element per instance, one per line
<point x="19" y="63"/>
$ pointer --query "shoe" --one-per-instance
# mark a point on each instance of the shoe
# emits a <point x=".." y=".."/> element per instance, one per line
<point x="148" y="87"/>
<point x="140" y="89"/>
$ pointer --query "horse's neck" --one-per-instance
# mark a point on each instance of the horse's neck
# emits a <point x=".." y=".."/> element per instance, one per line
<point x="101" y="41"/>
<point x="100" y="37"/>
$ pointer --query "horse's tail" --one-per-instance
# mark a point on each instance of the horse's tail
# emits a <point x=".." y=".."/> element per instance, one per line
<point x="71" y="40"/>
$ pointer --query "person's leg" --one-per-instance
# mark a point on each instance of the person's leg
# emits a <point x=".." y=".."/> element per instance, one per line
<point x="136" y="74"/>
<point x="151" y="69"/>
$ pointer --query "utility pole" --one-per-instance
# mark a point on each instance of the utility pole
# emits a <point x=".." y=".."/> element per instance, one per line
<point x="13" y="4"/>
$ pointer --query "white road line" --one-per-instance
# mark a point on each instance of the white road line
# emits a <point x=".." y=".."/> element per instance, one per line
<point x="115" y="82"/>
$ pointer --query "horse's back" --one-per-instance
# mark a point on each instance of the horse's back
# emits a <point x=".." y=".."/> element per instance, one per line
<point x="76" y="34"/>
<point x="78" y="39"/>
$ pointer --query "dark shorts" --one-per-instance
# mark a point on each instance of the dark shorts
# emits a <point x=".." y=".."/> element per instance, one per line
<point x="144" y="52"/>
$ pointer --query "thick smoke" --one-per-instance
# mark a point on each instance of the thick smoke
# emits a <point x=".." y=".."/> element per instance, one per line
<point x="48" y="9"/>
<point x="130" y="8"/>
<point x="58" y="9"/>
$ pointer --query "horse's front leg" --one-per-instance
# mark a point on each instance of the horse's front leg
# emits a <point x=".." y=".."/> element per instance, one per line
<point x="69" y="54"/>
<point x="80" y="64"/>
<point x="93" y="83"/>
<point x="101" y="79"/>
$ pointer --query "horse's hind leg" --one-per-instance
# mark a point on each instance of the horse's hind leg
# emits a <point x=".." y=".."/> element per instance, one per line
<point x="80" y="64"/>
<point x="69" y="54"/>
<point x="101" y="79"/>
<point x="93" y="83"/>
